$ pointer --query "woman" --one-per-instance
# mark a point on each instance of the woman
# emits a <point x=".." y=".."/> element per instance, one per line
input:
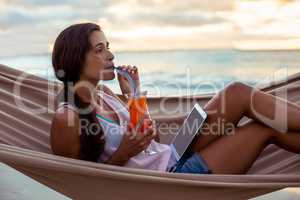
<point x="88" y="123"/>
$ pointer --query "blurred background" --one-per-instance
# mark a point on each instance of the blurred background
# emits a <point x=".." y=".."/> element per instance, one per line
<point x="181" y="47"/>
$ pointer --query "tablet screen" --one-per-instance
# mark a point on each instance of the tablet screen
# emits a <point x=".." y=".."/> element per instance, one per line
<point x="189" y="129"/>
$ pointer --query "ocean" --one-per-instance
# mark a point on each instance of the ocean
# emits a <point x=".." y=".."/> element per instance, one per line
<point x="185" y="72"/>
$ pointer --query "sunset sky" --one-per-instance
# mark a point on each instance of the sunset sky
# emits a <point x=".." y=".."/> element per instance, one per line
<point x="31" y="26"/>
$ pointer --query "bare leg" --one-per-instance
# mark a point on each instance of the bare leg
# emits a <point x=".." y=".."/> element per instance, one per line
<point x="235" y="154"/>
<point x="238" y="100"/>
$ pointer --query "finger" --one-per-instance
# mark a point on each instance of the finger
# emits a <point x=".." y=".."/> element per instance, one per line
<point x="153" y="125"/>
<point x="147" y="137"/>
<point x="121" y="77"/>
<point x="142" y="138"/>
<point x="147" y="141"/>
<point x="140" y="124"/>
<point x="137" y="147"/>
<point x="135" y="137"/>
<point x="141" y="144"/>
<point x="152" y="136"/>
<point x="151" y="133"/>
<point x="128" y="68"/>
<point x="129" y="135"/>
<point x="149" y="122"/>
<point x="133" y="69"/>
<point x="145" y="125"/>
<point x="153" y="122"/>
<point x="123" y="67"/>
<point x="138" y="136"/>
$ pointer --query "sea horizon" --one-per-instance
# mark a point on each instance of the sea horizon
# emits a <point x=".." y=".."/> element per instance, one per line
<point x="185" y="72"/>
<point x="167" y="50"/>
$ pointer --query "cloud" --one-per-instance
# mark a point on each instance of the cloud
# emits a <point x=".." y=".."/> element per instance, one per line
<point x="16" y="12"/>
<point x="37" y="3"/>
<point x="173" y="19"/>
<point x="30" y="26"/>
<point x="166" y="12"/>
<point x="179" y="5"/>
<point x="268" y="14"/>
<point x="14" y="16"/>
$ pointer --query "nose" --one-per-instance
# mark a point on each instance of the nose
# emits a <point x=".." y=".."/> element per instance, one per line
<point x="110" y="56"/>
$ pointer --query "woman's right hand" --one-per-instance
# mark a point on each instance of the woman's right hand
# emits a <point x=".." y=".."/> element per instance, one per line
<point x="135" y="141"/>
<point x="124" y="82"/>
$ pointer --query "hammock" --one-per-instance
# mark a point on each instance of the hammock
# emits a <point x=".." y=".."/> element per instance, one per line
<point x="24" y="145"/>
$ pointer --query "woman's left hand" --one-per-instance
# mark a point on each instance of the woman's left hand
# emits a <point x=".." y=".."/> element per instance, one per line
<point x="124" y="83"/>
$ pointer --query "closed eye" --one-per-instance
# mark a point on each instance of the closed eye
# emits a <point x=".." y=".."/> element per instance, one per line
<point x="99" y="46"/>
<point x="98" y="50"/>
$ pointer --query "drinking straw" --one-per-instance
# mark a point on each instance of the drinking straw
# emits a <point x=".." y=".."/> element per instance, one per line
<point x="132" y="82"/>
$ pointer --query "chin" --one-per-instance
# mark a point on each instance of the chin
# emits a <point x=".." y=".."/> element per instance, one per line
<point x="108" y="77"/>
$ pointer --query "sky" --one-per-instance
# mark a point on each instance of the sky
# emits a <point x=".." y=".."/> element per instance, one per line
<point x="31" y="26"/>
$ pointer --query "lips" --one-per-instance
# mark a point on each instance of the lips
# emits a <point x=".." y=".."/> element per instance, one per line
<point x="110" y="66"/>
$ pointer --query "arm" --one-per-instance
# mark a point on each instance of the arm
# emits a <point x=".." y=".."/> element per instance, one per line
<point x="117" y="159"/>
<point x="65" y="139"/>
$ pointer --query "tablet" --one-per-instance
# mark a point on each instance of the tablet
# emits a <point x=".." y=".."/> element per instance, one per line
<point x="188" y="130"/>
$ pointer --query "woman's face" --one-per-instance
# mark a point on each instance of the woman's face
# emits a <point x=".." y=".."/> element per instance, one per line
<point x="99" y="60"/>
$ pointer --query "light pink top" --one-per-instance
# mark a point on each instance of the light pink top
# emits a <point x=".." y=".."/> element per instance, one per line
<point x="158" y="156"/>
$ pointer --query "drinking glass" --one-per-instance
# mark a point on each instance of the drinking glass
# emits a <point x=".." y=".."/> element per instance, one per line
<point x="139" y="111"/>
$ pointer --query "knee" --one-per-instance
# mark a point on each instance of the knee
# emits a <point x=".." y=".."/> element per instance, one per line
<point x="237" y="88"/>
<point x="238" y="91"/>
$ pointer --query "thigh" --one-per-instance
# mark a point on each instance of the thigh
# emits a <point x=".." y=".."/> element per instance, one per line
<point x="235" y="153"/>
<point x="223" y="110"/>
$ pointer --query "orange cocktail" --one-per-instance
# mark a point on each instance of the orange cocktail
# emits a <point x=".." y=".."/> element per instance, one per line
<point x="139" y="111"/>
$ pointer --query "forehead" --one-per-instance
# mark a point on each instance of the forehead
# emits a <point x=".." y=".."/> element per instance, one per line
<point x="97" y="37"/>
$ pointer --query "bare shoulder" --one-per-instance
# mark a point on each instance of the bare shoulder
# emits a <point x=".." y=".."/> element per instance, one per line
<point x="65" y="116"/>
<point x="107" y="90"/>
<point x="65" y="133"/>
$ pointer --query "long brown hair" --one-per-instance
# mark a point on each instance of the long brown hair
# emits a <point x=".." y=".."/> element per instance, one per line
<point x="68" y="57"/>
